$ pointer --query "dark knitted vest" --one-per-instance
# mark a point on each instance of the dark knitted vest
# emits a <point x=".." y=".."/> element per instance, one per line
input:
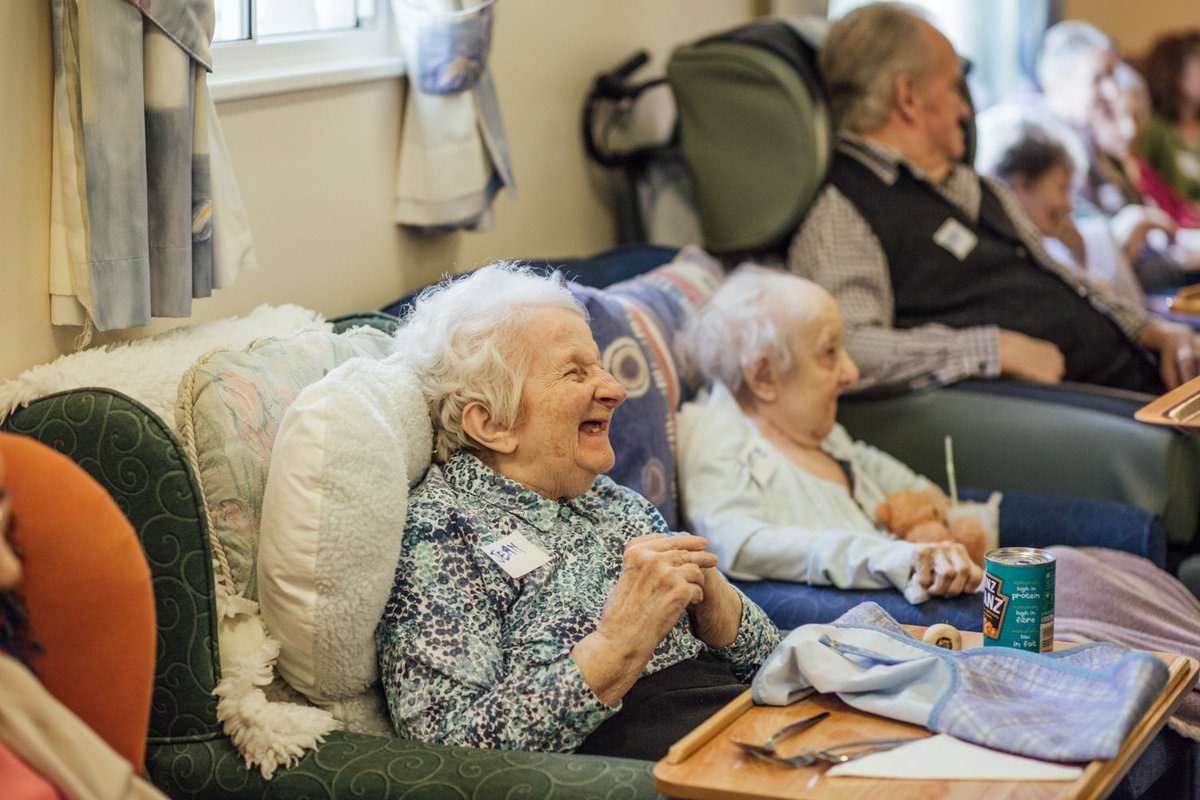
<point x="998" y="283"/>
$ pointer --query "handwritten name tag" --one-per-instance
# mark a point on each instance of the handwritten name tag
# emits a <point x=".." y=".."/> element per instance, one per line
<point x="516" y="555"/>
<point x="955" y="237"/>
<point x="759" y="462"/>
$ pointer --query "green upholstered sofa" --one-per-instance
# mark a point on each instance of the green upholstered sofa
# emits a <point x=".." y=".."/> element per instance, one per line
<point x="1070" y="440"/>
<point x="142" y="462"/>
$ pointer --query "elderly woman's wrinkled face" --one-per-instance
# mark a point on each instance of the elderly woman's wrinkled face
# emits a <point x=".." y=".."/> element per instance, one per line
<point x="567" y="403"/>
<point x="821" y="371"/>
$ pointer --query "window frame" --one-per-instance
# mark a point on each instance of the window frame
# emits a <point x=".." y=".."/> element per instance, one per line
<point x="250" y="68"/>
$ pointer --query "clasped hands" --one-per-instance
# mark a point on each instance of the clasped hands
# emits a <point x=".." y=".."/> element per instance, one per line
<point x="944" y="569"/>
<point x="661" y="577"/>
<point x="1177" y="347"/>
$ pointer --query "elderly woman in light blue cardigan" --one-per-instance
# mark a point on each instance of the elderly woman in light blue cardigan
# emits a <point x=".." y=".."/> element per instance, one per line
<point x="778" y="488"/>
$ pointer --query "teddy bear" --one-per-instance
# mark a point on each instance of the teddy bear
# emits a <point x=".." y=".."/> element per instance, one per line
<point x="917" y="517"/>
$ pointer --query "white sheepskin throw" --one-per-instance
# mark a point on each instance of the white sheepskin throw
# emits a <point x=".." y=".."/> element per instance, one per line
<point x="149" y="369"/>
<point x="347" y="451"/>
<point x="271" y="735"/>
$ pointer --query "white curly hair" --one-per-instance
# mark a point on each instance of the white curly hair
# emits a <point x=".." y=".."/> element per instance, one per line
<point x="460" y="336"/>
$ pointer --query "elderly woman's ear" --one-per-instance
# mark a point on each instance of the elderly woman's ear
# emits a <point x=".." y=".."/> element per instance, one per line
<point x="479" y="424"/>
<point x="761" y="378"/>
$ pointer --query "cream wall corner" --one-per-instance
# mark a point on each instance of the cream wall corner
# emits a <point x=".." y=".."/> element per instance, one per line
<point x="316" y="168"/>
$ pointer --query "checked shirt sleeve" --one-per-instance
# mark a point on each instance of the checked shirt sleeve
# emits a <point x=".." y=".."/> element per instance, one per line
<point x="837" y="249"/>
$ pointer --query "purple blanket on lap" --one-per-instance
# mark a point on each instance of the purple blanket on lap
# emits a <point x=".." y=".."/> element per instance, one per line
<point x="1107" y="595"/>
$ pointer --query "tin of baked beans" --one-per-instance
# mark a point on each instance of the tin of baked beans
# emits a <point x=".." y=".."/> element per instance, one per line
<point x="1018" y="599"/>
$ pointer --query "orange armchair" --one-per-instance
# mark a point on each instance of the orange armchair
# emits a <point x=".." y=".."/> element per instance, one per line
<point x="88" y="593"/>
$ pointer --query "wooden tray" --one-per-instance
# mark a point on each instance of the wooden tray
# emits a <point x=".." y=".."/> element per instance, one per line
<point x="1175" y="408"/>
<point x="705" y="765"/>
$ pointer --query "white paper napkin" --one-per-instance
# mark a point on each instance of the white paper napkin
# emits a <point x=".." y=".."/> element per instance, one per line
<point x="942" y="757"/>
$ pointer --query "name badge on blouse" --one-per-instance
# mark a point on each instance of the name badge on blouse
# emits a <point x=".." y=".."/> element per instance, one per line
<point x="516" y="555"/>
<point x="954" y="237"/>
<point x="759" y="462"/>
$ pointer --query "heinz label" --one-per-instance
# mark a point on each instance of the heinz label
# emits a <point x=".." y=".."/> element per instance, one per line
<point x="1018" y="599"/>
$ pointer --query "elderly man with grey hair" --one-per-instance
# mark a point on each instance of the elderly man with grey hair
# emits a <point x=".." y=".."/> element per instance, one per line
<point x="939" y="273"/>
<point x="537" y="605"/>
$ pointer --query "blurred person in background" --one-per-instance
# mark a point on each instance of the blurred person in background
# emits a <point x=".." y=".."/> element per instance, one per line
<point x="1170" y="140"/>
<point x="958" y="283"/>
<point x="1081" y="75"/>
<point x="1042" y="160"/>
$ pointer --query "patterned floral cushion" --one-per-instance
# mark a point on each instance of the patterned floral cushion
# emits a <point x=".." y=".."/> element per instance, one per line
<point x="230" y="405"/>
<point x="636" y="324"/>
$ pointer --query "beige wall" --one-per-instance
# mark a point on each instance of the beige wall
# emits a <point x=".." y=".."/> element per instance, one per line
<point x="1134" y="24"/>
<point x="316" y="168"/>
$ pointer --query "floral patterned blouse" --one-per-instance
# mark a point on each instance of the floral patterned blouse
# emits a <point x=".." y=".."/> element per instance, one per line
<point x="471" y="656"/>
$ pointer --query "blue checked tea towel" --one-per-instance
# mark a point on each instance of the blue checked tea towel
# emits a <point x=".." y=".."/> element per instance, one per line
<point x="1073" y="705"/>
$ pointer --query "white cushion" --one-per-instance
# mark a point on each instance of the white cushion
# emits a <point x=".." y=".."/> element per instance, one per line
<point x="231" y="404"/>
<point x="333" y="513"/>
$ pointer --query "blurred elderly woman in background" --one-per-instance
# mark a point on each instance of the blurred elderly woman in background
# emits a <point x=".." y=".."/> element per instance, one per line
<point x="1170" y="140"/>
<point x="780" y="490"/>
<point x="537" y="605"/>
<point x="1041" y="160"/>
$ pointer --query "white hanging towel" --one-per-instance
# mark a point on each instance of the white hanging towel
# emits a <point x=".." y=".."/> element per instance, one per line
<point x="453" y="151"/>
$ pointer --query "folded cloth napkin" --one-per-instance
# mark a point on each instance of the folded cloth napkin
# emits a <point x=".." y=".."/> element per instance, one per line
<point x="1033" y="704"/>
<point x="944" y="758"/>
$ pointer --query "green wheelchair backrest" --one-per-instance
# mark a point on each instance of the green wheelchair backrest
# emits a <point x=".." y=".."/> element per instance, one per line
<point x="755" y="131"/>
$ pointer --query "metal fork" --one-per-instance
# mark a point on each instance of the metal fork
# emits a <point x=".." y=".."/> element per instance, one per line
<point x="767" y="748"/>
<point x="834" y="754"/>
<point x="862" y="747"/>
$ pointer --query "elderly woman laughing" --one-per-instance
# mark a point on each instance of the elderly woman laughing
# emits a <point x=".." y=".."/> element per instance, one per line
<point x="537" y="605"/>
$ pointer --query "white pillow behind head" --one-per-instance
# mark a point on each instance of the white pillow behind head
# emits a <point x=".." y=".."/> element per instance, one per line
<point x="333" y="517"/>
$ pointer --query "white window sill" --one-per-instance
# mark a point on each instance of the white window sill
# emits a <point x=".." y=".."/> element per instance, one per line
<point x="244" y="87"/>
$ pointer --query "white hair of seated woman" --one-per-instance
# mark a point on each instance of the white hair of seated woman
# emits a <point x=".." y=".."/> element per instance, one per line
<point x="731" y="332"/>
<point x="457" y="335"/>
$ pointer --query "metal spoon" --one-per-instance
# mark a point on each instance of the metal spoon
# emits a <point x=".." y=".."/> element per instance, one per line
<point x="767" y="748"/>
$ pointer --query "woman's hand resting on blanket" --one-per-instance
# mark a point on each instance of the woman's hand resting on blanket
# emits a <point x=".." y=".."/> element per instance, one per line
<point x="944" y="569"/>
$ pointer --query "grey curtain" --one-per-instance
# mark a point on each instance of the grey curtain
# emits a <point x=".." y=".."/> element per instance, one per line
<point x="133" y="214"/>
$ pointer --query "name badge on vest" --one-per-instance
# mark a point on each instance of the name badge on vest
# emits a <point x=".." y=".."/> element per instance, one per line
<point x="516" y="555"/>
<point x="955" y="238"/>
